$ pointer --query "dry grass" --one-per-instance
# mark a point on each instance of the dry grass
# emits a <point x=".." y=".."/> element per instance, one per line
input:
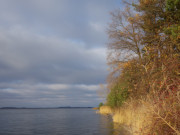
<point x="105" y="110"/>
<point x="135" y="116"/>
<point x="148" y="116"/>
<point x="151" y="116"/>
<point x="166" y="115"/>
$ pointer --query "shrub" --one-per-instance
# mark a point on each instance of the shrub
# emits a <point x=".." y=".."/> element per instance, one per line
<point x="117" y="95"/>
<point x="100" y="104"/>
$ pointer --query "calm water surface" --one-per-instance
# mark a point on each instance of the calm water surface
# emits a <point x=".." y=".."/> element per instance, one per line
<point x="54" y="122"/>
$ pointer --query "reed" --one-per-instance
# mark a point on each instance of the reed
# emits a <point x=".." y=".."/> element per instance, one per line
<point x="105" y="110"/>
<point x="151" y="116"/>
<point x="135" y="116"/>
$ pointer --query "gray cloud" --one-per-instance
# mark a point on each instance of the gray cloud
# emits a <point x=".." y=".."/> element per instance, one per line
<point x="53" y="52"/>
<point x="42" y="58"/>
<point x="82" y="20"/>
<point x="49" y="94"/>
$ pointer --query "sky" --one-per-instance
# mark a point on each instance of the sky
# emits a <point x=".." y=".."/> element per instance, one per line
<point x="53" y="52"/>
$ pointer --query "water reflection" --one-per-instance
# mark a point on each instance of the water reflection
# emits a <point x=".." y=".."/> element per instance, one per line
<point x="113" y="128"/>
<point x="57" y="122"/>
<point x="120" y="129"/>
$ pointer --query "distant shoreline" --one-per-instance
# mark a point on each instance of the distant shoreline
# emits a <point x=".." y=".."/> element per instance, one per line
<point x="44" y="107"/>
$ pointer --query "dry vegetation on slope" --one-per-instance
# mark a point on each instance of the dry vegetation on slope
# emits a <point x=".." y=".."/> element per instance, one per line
<point x="144" y="57"/>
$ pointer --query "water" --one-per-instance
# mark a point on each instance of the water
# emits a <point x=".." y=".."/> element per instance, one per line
<point x="54" y="122"/>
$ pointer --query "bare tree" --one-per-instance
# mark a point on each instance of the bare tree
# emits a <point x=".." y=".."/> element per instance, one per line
<point x="125" y="36"/>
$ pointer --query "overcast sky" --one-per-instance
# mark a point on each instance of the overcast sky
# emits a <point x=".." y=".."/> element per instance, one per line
<point x="53" y="52"/>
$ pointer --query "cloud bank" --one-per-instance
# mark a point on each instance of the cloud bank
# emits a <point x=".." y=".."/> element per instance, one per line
<point x="53" y="53"/>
